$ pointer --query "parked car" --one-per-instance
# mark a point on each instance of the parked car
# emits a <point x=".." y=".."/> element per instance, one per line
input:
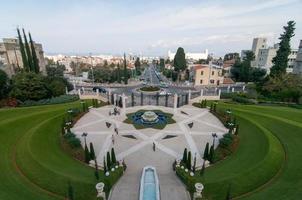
<point x="102" y="90"/>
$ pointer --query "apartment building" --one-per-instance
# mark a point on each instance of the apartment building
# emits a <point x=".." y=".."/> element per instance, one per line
<point x="297" y="69"/>
<point x="207" y="75"/>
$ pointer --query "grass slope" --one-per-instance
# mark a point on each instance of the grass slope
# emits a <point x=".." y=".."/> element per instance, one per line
<point x="32" y="164"/>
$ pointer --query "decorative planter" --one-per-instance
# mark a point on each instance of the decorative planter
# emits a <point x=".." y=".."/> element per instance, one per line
<point x="107" y="174"/>
<point x="186" y="170"/>
<point x="191" y="174"/>
<point x="199" y="187"/>
<point x="112" y="169"/>
<point x="116" y="166"/>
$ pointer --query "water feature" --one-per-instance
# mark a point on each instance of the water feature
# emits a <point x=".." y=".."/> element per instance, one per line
<point x="149" y="185"/>
<point x="149" y="118"/>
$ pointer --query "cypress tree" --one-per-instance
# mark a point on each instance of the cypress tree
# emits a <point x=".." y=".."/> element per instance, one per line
<point x="228" y="195"/>
<point x="113" y="158"/>
<point x="34" y="55"/>
<point x="211" y="155"/>
<point x="87" y="154"/>
<point x="203" y="169"/>
<point x="184" y="156"/>
<point x="189" y="160"/>
<point x="118" y="73"/>
<point x="125" y="71"/>
<point x="92" y="154"/>
<point x="280" y="61"/>
<point x="108" y="161"/>
<point x="28" y="53"/>
<point x="96" y="172"/>
<point x="70" y="192"/>
<point x="206" y="152"/>
<point x="23" y="54"/>
<point x="180" y="60"/>
<point x="104" y="165"/>
<point x="237" y="129"/>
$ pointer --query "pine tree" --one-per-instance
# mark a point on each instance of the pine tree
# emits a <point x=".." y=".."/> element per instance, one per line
<point x="92" y="154"/>
<point x="28" y="53"/>
<point x="206" y="152"/>
<point x="211" y="155"/>
<point x="23" y="54"/>
<point x="34" y="55"/>
<point x="87" y="154"/>
<point x="280" y="61"/>
<point x="108" y="161"/>
<point x="125" y="71"/>
<point x="189" y="160"/>
<point x="184" y="156"/>
<point x="70" y="192"/>
<point x="113" y="158"/>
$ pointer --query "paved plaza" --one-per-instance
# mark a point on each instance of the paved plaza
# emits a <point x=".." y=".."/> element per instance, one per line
<point x="135" y="146"/>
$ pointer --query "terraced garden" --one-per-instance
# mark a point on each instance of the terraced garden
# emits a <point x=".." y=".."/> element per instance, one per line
<point x="266" y="165"/>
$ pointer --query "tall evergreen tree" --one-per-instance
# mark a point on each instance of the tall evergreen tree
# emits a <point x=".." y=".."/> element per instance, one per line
<point x="211" y="155"/>
<point x="23" y="54"/>
<point x="104" y="165"/>
<point x="34" y="55"/>
<point x="113" y="158"/>
<point x="92" y="154"/>
<point x="280" y="61"/>
<point x="180" y="60"/>
<point x="125" y="70"/>
<point x="185" y="156"/>
<point x="108" y="161"/>
<point x="70" y="192"/>
<point x="96" y="172"/>
<point x="206" y="152"/>
<point x="28" y="53"/>
<point x="87" y="154"/>
<point x="228" y="195"/>
<point x="189" y="161"/>
<point x="118" y="73"/>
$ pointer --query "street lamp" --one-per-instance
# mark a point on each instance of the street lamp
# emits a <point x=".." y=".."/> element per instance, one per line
<point x="85" y="135"/>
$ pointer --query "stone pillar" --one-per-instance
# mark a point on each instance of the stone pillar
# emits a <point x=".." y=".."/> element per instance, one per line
<point x="83" y="90"/>
<point x="79" y="93"/>
<point x="229" y="89"/>
<point x="189" y="96"/>
<point x="124" y="103"/>
<point x="175" y="102"/>
<point x="66" y="90"/>
<point x="114" y="99"/>
<point x="233" y="89"/>
<point x="243" y="88"/>
<point x="219" y="93"/>
<point x="97" y="92"/>
<point x="201" y="92"/>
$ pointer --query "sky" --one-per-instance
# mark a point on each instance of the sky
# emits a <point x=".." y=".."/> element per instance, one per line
<point x="149" y="28"/>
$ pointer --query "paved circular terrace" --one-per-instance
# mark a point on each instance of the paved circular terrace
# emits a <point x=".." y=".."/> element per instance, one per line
<point x="135" y="146"/>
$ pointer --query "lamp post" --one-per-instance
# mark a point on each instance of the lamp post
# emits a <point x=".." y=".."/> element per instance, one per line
<point x="85" y="135"/>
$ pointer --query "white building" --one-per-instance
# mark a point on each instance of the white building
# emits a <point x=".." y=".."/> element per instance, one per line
<point x="298" y="65"/>
<point x="191" y="56"/>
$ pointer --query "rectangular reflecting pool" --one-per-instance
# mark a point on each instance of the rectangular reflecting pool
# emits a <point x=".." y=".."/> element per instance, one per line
<point x="149" y="186"/>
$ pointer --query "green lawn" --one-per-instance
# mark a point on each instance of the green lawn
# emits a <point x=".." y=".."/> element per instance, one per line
<point x="267" y="164"/>
<point x="32" y="164"/>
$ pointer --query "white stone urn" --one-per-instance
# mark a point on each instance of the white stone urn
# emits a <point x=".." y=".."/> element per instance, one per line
<point x="182" y="167"/>
<point x="199" y="187"/>
<point x="191" y="174"/>
<point x="112" y="169"/>
<point x="99" y="188"/>
<point x="107" y="174"/>
<point x="116" y="166"/>
<point x="186" y="170"/>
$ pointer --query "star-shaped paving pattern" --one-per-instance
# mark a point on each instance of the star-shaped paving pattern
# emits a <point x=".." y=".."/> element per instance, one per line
<point x="192" y="130"/>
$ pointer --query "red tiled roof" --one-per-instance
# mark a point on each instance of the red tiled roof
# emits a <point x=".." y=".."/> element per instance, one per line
<point x="199" y="66"/>
<point x="228" y="81"/>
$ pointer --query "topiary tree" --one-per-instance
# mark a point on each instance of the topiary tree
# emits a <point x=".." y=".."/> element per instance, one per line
<point x="92" y="154"/>
<point x="211" y="155"/>
<point x="87" y="154"/>
<point x="96" y="172"/>
<point x="70" y="192"/>
<point x="104" y="165"/>
<point x="206" y="152"/>
<point x="237" y="129"/>
<point x="108" y="161"/>
<point x="203" y="169"/>
<point x="189" y="165"/>
<point x="184" y="156"/>
<point x="113" y="158"/>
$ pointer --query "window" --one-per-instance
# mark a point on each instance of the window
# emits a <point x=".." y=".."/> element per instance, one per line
<point x="213" y="72"/>
<point x="212" y="81"/>
<point x="201" y="73"/>
<point x="200" y="81"/>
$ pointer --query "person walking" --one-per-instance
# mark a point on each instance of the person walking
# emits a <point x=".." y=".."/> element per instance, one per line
<point x="153" y="146"/>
